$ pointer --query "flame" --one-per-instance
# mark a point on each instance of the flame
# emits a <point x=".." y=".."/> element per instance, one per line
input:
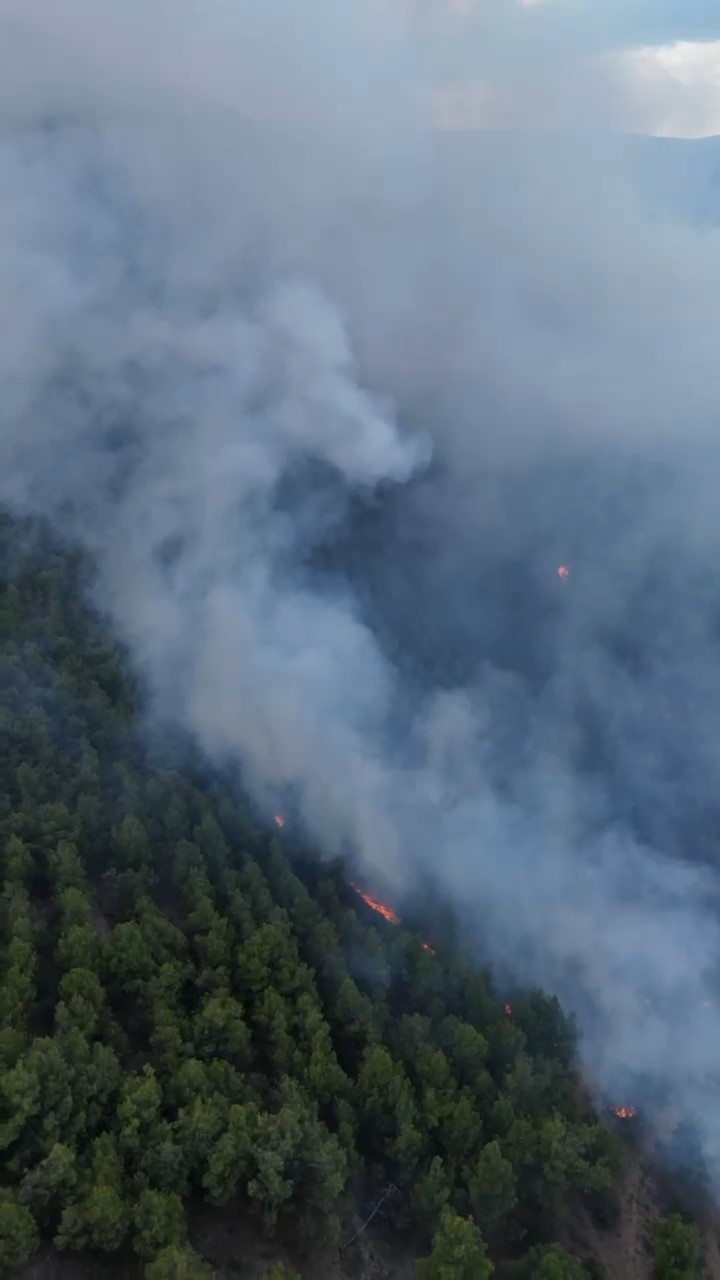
<point x="508" y="1009"/>
<point x="563" y="571"/>
<point x="384" y="910"/>
<point x="625" y="1113"/>
<point x="279" y="820"/>
<point x="376" y="904"/>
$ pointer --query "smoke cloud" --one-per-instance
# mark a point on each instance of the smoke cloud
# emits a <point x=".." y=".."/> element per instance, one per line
<point x="330" y="397"/>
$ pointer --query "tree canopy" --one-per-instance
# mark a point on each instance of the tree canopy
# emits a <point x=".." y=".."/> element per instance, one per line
<point x="194" y="1009"/>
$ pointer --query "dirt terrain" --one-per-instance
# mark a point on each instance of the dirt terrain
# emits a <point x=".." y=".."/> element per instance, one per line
<point x="626" y="1251"/>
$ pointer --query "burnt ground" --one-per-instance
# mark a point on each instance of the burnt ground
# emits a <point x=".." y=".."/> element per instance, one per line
<point x="625" y="1251"/>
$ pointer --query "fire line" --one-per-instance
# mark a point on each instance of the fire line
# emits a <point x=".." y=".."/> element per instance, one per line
<point x="376" y="905"/>
<point x="385" y="911"/>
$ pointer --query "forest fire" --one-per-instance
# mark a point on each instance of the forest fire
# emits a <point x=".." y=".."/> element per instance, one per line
<point x="387" y="912"/>
<point x="508" y="1010"/>
<point x="563" y="571"/>
<point x="376" y="905"/>
<point x="625" y="1113"/>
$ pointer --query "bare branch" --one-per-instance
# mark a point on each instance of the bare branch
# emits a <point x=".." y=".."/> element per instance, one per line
<point x="388" y="1191"/>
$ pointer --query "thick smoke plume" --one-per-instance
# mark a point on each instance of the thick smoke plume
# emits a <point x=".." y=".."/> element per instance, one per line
<point x="330" y="397"/>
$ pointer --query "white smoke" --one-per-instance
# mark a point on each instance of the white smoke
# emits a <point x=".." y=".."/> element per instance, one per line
<point x="216" y="337"/>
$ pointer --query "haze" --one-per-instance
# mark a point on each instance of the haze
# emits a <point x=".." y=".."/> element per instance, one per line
<point x="331" y="394"/>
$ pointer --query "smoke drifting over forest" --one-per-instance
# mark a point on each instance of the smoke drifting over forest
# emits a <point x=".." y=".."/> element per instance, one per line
<point x="331" y="397"/>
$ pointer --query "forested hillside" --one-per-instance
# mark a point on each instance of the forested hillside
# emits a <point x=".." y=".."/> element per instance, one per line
<point x="189" y="1016"/>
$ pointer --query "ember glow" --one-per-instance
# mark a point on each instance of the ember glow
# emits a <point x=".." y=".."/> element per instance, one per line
<point x="279" y="820"/>
<point x="625" y="1113"/>
<point x="563" y="571"/>
<point x="384" y="910"/>
<point x="376" y="905"/>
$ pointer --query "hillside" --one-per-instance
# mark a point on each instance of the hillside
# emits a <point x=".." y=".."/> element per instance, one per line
<point x="191" y="1016"/>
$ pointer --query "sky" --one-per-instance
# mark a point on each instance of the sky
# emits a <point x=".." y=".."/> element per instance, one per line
<point x="648" y="66"/>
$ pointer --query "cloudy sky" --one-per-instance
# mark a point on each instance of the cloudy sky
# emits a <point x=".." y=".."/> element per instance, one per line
<point x="642" y="65"/>
<point x="648" y="66"/>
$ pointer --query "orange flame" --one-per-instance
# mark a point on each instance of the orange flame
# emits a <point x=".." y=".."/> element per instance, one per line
<point x="563" y="571"/>
<point x="279" y="820"/>
<point x="625" y="1113"/>
<point x="384" y="910"/>
<point x="376" y="905"/>
<point x="508" y="1009"/>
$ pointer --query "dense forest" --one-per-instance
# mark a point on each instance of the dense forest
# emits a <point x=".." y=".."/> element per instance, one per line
<point x="193" y="1017"/>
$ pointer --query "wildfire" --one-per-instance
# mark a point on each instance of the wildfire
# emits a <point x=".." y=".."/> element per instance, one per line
<point x="279" y="820"/>
<point x="508" y="1010"/>
<point x="384" y="910"/>
<point x="625" y="1113"/>
<point x="563" y="571"/>
<point x="376" y="905"/>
